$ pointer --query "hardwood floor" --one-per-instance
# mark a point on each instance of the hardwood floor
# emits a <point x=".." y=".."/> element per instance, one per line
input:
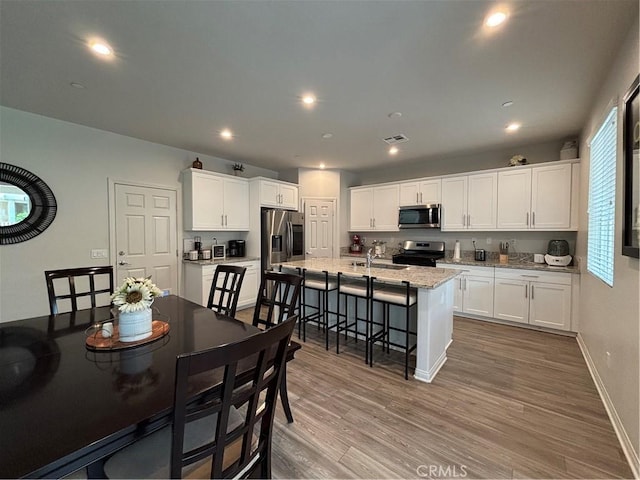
<point x="509" y="403"/>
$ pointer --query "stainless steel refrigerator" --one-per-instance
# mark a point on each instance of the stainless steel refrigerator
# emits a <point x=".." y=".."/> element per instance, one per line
<point x="282" y="237"/>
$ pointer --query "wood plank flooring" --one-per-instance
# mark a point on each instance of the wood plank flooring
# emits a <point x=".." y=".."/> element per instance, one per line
<point x="509" y="403"/>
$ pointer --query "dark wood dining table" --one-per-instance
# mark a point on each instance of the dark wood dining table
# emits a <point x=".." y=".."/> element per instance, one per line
<point x="63" y="406"/>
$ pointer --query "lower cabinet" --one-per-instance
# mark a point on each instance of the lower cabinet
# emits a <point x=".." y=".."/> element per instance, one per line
<point x="473" y="290"/>
<point x="536" y="298"/>
<point x="198" y="279"/>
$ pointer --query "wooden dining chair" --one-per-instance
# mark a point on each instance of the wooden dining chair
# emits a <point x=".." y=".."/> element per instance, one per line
<point x="277" y="301"/>
<point x="225" y="289"/>
<point x="226" y="435"/>
<point x="92" y="282"/>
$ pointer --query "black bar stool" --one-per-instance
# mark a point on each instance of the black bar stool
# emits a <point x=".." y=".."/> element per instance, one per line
<point x="356" y="289"/>
<point x="403" y="297"/>
<point x="319" y="313"/>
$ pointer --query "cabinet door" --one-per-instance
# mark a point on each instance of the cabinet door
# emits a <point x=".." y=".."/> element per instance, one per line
<point x="207" y="202"/>
<point x="236" y="204"/>
<point x="269" y="194"/>
<point x="249" y="289"/>
<point x="511" y="300"/>
<point x="454" y="203"/>
<point x="289" y="196"/>
<point x="430" y="192"/>
<point x="360" y="218"/>
<point x="409" y="194"/>
<point x="482" y="201"/>
<point x="550" y="305"/>
<point x="458" y="283"/>
<point x="385" y="208"/>
<point x="551" y="197"/>
<point x="478" y="295"/>
<point x="514" y="199"/>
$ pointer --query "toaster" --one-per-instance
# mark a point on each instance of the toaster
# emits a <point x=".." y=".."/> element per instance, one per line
<point x="218" y="251"/>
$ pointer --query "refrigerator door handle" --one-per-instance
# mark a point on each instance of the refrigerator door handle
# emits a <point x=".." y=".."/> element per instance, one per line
<point x="289" y="240"/>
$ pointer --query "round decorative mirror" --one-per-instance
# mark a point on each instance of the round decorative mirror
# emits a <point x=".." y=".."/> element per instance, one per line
<point x="27" y="205"/>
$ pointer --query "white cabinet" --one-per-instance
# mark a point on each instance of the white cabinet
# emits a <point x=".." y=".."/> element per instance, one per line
<point x="198" y="279"/>
<point x="374" y="208"/>
<point x="473" y="290"/>
<point x="538" y="198"/>
<point x="214" y="202"/>
<point x="273" y="193"/>
<point x="424" y="192"/>
<point x="469" y="202"/>
<point x="533" y="297"/>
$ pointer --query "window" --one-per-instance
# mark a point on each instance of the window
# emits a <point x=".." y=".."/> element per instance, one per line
<point x="602" y="200"/>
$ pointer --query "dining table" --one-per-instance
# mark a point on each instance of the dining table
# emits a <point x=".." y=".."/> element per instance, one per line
<point x="64" y="406"/>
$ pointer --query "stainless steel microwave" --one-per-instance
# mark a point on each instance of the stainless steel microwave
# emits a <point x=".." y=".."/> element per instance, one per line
<point x="419" y="216"/>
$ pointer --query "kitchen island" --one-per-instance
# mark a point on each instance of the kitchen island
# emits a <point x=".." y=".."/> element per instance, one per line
<point x="434" y="306"/>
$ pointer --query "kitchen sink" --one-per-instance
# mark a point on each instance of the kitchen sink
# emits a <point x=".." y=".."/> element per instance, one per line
<point x="382" y="265"/>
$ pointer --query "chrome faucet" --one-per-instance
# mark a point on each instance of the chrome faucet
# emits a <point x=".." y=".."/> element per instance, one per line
<point x="370" y="258"/>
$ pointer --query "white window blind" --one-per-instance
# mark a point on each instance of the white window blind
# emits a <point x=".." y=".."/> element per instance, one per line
<point x="602" y="200"/>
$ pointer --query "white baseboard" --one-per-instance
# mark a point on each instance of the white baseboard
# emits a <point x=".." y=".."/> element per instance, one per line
<point x="621" y="433"/>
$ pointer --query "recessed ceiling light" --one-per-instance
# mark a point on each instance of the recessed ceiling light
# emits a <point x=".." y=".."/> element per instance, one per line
<point x="495" y="19"/>
<point x="226" y="134"/>
<point x="508" y="103"/>
<point x="77" y="85"/>
<point x="395" y="115"/>
<point x="393" y="150"/>
<point x="308" y="99"/>
<point x="512" y="127"/>
<point x="321" y="166"/>
<point x="101" y="48"/>
<point x="327" y="135"/>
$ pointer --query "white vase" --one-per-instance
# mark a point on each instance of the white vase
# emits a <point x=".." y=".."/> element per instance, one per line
<point x="134" y="326"/>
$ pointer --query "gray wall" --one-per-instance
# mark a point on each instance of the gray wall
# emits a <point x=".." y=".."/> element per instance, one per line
<point x="76" y="162"/>
<point x="609" y="316"/>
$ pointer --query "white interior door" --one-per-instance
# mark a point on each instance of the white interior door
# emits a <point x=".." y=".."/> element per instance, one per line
<point x="319" y="226"/>
<point x="146" y="235"/>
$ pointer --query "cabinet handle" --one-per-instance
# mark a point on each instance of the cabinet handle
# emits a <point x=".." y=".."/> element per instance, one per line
<point x="222" y="219"/>
<point x="374" y="223"/>
<point x="417" y="197"/>
<point x="420" y="197"/>
<point x="463" y="220"/>
<point x="533" y="219"/>
<point x="469" y="220"/>
<point x="531" y="292"/>
<point x="226" y="221"/>
<point x="527" y="219"/>
<point x="526" y="291"/>
<point x="530" y="276"/>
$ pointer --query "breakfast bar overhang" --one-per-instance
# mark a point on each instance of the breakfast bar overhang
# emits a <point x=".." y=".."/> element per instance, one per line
<point x="434" y="310"/>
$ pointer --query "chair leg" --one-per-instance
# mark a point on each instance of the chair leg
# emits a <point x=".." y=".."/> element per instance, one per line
<point x="284" y="396"/>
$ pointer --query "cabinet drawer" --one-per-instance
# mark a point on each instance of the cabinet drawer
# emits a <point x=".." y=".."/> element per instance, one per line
<point x="469" y="270"/>
<point x="560" y="278"/>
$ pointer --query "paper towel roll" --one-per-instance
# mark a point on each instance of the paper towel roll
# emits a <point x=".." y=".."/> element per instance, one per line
<point x="456" y="251"/>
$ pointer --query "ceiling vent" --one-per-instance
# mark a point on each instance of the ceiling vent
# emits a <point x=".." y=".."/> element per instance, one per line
<point x="395" y="139"/>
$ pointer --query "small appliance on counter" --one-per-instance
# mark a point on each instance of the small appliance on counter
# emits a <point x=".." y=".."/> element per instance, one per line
<point x="218" y="251"/>
<point x="237" y="248"/>
<point x="356" y="245"/>
<point x="480" y="253"/>
<point x="379" y="248"/>
<point x="558" y="253"/>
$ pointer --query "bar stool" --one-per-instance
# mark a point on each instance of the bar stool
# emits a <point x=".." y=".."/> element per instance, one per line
<point x="319" y="315"/>
<point x="403" y="297"/>
<point x="356" y="289"/>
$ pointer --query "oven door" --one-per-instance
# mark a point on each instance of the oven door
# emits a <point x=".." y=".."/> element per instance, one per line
<point x="419" y="216"/>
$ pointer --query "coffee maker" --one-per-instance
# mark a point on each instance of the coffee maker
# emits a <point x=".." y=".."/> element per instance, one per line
<point x="237" y="248"/>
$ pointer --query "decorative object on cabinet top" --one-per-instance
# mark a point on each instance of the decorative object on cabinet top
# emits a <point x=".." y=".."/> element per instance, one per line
<point x="517" y="160"/>
<point x="197" y="164"/>
<point x="238" y="168"/>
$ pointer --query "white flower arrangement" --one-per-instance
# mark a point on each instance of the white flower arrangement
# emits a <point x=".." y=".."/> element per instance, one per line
<point x="135" y="294"/>
<point x="517" y="160"/>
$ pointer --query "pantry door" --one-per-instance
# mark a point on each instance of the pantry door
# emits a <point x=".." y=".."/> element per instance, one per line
<point x="146" y="235"/>
<point x="319" y="215"/>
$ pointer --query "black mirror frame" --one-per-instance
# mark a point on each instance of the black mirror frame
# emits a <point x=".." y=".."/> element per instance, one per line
<point x="43" y="205"/>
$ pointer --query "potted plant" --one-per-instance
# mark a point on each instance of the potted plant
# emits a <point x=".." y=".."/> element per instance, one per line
<point x="134" y="299"/>
<point x="238" y="168"/>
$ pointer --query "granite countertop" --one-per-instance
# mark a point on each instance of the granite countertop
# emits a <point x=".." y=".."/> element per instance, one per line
<point x="420" y="277"/>
<point x="220" y="261"/>
<point x="523" y="264"/>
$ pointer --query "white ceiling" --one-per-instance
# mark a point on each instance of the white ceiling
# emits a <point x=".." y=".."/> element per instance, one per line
<point x="186" y="69"/>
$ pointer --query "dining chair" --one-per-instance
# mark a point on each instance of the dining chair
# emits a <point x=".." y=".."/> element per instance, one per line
<point x="225" y="289"/>
<point x="81" y="282"/>
<point x="277" y="301"/>
<point x="227" y="435"/>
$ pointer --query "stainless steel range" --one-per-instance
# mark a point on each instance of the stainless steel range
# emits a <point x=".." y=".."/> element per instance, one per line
<point x="422" y="253"/>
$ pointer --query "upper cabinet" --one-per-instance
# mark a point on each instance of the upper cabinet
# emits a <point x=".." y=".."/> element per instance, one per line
<point x="469" y="202"/>
<point x="274" y="193"/>
<point x="423" y="192"/>
<point x="538" y="198"/>
<point x="214" y="202"/>
<point x="374" y="208"/>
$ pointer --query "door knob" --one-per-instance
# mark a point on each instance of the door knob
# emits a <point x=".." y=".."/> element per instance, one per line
<point x="121" y="253"/>
<point x="122" y="262"/>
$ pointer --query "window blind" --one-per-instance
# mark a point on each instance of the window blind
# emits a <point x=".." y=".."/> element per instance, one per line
<point x="602" y="200"/>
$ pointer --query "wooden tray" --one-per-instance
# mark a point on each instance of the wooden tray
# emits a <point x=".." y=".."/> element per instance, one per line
<point x="97" y="342"/>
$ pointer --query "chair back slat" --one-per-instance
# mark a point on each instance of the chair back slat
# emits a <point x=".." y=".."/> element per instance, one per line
<point x="71" y="275"/>
<point x="277" y="298"/>
<point x="244" y="405"/>
<point x="225" y="289"/>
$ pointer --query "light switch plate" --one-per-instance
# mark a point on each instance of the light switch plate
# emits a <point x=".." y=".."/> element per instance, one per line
<point x="99" y="253"/>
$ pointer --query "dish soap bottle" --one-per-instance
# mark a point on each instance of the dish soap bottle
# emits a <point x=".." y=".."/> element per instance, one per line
<point x="456" y="251"/>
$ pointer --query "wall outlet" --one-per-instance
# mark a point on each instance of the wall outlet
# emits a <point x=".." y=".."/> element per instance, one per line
<point x="512" y="243"/>
<point x="99" y="253"/>
<point x="489" y="240"/>
<point x="474" y="240"/>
